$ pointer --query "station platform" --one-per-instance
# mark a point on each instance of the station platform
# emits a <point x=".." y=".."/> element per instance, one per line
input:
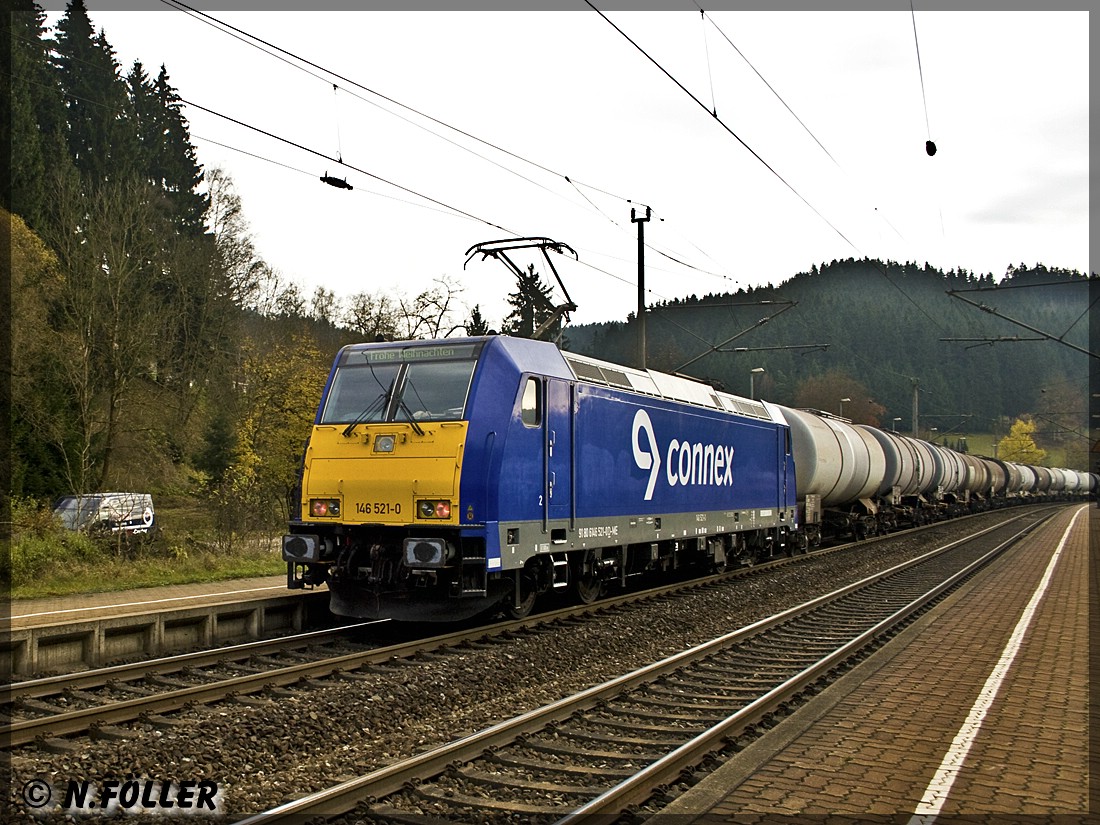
<point x="22" y="613"/>
<point x="977" y="712"/>
<point x="59" y="635"/>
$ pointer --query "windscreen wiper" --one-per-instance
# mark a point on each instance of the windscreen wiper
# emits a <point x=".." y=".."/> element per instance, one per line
<point x="374" y="407"/>
<point x="405" y="408"/>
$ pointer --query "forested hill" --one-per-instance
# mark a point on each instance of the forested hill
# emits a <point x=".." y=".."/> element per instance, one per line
<point x="884" y="325"/>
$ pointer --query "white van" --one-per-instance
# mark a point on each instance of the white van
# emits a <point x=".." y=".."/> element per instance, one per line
<point x="130" y="513"/>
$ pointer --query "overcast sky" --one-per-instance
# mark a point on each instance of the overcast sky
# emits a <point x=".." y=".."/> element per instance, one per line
<point x="750" y="197"/>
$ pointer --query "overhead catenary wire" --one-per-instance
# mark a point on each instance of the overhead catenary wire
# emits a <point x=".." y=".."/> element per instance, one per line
<point x="450" y="209"/>
<point x="710" y="73"/>
<point x="361" y="171"/>
<point x="569" y="180"/>
<point x="930" y="147"/>
<point x="336" y="111"/>
<point x="230" y="28"/>
<point x="447" y="207"/>
<point x="359" y="190"/>
<point x="239" y="33"/>
<point x="723" y="124"/>
<point x="763" y="80"/>
<point x="753" y="152"/>
<point x="787" y="106"/>
<point x="433" y="203"/>
<point x="289" y="57"/>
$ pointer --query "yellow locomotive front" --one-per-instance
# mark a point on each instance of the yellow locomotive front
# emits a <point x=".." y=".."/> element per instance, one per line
<point x="381" y="475"/>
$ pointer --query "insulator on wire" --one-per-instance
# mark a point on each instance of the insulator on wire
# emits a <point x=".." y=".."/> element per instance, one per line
<point x="930" y="148"/>
<point x="339" y="184"/>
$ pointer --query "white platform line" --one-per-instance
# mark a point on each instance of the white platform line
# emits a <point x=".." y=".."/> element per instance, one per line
<point x="938" y="789"/>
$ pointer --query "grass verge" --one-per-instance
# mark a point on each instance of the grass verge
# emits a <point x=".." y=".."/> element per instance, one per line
<point x="47" y="560"/>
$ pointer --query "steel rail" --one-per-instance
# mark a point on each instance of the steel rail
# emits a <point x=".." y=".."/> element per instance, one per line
<point x="21" y="732"/>
<point x="77" y="721"/>
<point x="24" y="731"/>
<point x="392" y="778"/>
<point x="665" y="771"/>
<point x="132" y="671"/>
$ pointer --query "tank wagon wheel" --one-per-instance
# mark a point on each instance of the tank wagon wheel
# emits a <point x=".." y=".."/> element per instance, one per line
<point x="869" y="526"/>
<point x="586" y="585"/>
<point x="801" y="543"/>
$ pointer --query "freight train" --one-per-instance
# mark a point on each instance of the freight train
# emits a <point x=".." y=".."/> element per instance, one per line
<point x="443" y="479"/>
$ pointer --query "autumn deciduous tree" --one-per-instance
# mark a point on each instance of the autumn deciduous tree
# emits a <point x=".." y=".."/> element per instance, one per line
<point x="40" y="408"/>
<point x="1019" y="445"/>
<point x="824" y="392"/>
<point x="372" y="317"/>
<point x="283" y="382"/>
<point x="104" y="318"/>
<point x="430" y="314"/>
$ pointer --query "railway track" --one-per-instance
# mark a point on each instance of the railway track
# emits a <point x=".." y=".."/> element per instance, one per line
<point x="608" y="749"/>
<point x="93" y="701"/>
<point x="65" y="705"/>
<point x="81" y="702"/>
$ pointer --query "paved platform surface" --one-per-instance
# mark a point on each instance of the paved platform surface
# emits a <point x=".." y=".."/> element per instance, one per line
<point x="875" y="744"/>
<point x="35" y="612"/>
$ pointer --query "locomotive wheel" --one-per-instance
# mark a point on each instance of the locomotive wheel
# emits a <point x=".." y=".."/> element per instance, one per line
<point x="528" y="589"/>
<point x="587" y="589"/>
<point x="586" y="586"/>
<point x="525" y="605"/>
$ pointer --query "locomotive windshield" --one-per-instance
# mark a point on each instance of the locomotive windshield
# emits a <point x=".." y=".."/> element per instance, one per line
<point x="401" y="383"/>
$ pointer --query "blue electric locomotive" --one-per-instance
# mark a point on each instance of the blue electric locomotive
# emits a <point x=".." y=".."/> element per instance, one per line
<point x="446" y="478"/>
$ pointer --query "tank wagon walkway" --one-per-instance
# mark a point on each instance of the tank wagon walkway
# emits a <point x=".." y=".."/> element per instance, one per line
<point x="923" y="730"/>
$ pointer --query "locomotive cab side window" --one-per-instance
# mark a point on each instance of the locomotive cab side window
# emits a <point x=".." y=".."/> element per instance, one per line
<point x="531" y="404"/>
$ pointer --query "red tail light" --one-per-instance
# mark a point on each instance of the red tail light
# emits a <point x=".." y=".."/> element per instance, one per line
<point x="433" y="508"/>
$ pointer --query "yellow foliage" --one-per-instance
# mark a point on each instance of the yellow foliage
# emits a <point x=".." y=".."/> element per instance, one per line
<point x="35" y="278"/>
<point x="283" y="383"/>
<point x="1019" y="445"/>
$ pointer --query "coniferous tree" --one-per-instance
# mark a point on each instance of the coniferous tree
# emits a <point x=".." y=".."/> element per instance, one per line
<point x="101" y="143"/>
<point x="531" y="304"/>
<point x="143" y="118"/>
<point x="174" y="165"/>
<point x="35" y="131"/>
<point x="477" y="325"/>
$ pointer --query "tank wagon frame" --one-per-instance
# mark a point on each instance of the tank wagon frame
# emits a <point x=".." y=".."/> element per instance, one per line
<point x="445" y="478"/>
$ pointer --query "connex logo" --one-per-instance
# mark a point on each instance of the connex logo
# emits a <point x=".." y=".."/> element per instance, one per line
<point x="134" y="796"/>
<point x="648" y="460"/>
<point x="686" y="464"/>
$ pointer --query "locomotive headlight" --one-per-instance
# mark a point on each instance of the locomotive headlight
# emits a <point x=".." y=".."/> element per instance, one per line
<point x="384" y="443"/>
<point x="433" y="508"/>
<point x="299" y="548"/>
<point x="426" y="553"/>
<point x="324" y="507"/>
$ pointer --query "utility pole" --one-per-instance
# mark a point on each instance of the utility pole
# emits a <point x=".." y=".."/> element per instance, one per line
<point x="641" y="282"/>
<point x="916" y="393"/>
